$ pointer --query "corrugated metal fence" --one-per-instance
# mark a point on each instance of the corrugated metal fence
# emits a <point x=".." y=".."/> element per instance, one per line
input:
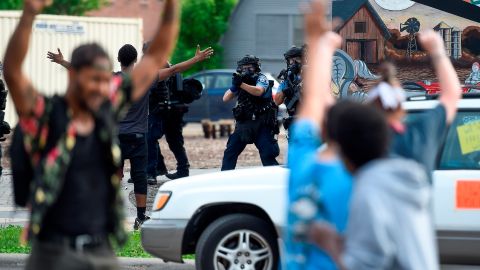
<point x="66" y="32"/>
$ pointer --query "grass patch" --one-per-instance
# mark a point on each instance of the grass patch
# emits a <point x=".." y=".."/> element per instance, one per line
<point x="10" y="243"/>
<point x="9" y="240"/>
<point x="133" y="247"/>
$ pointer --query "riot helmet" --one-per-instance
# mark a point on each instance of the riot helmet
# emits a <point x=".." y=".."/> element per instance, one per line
<point x="248" y="60"/>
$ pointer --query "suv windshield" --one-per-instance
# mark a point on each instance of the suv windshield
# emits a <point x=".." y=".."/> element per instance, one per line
<point x="461" y="150"/>
<point x="462" y="146"/>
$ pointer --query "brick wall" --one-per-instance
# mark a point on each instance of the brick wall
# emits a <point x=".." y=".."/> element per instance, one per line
<point x="146" y="9"/>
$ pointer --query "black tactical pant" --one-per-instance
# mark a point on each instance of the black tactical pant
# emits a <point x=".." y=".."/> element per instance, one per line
<point x="134" y="148"/>
<point x="169" y="123"/>
<point x="265" y="142"/>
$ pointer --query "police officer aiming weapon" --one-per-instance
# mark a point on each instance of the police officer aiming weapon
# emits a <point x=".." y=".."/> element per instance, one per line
<point x="255" y="114"/>
<point x="290" y="90"/>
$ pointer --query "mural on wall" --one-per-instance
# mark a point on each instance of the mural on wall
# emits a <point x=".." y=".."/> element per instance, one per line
<point x="475" y="2"/>
<point x="374" y="30"/>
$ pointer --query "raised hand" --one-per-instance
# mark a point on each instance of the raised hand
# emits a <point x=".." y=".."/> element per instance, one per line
<point x="36" y="6"/>
<point x="432" y="42"/>
<point x="203" y="54"/>
<point x="56" y="57"/>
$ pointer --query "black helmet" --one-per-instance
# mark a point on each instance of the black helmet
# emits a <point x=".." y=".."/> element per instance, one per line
<point x="249" y="60"/>
<point x="294" y="52"/>
<point x="192" y="90"/>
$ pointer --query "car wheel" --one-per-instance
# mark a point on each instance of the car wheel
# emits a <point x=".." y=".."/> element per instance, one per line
<point x="237" y="241"/>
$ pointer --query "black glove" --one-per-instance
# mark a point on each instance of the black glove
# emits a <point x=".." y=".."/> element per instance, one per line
<point x="295" y="68"/>
<point x="250" y="79"/>
<point x="289" y="92"/>
<point x="237" y="80"/>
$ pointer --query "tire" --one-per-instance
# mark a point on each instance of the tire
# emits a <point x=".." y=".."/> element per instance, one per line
<point x="260" y="254"/>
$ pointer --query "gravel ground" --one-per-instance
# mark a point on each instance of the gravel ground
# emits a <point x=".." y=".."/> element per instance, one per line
<point x="202" y="153"/>
<point x="208" y="153"/>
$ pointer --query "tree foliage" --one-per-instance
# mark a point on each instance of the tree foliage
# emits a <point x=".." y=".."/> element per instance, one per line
<point x="59" y="7"/>
<point x="203" y="23"/>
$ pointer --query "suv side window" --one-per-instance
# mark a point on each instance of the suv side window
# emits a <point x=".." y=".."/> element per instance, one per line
<point x="223" y="81"/>
<point x="206" y="80"/>
<point x="462" y="145"/>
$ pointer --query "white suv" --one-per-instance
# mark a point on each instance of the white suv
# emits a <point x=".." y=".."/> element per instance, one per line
<point x="234" y="219"/>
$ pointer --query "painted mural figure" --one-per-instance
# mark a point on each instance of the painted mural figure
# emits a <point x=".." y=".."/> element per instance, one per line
<point x="474" y="77"/>
<point x="346" y="73"/>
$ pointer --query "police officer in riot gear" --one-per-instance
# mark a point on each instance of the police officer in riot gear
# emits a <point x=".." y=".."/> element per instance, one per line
<point x="168" y="103"/>
<point x="255" y="114"/>
<point x="166" y="118"/>
<point x="4" y="126"/>
<point x="290" y="90"/>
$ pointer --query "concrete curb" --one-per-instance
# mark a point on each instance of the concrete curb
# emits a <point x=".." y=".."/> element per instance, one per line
<point x="150" y="261"/>
<point x="19" y="259"/>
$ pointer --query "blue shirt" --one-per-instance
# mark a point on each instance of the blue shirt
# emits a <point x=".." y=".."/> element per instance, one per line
<point x="317" y="190"/>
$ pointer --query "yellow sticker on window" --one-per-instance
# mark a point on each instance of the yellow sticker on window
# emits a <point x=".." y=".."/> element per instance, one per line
<point x="469" y="137"/>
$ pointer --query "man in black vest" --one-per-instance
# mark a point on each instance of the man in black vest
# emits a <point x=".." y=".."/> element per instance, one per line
<point x="255" y="114"/>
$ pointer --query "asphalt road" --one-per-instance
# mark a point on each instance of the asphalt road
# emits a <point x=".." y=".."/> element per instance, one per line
<point x="17" y="262"/>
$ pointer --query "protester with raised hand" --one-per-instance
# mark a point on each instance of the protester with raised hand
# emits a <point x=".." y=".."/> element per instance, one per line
<point x="70" y="140"/>
<point x="421" y="137"/>
<point x="390" y="225"/>
<point x="58" y="58"/>
<point x="319" y="187"/>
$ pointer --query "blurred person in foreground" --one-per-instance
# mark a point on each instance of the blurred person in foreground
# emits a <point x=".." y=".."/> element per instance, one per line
<point x="390" y="224"/>
<point x="419" y="138"/>
<point x="319" y="186"/>
<point x="132" y="131"/>
<point x="75" y="201"/>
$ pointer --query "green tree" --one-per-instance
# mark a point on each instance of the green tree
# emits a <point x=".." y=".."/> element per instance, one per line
<point x="203" y="23"/>
<point x="59" y="7"/>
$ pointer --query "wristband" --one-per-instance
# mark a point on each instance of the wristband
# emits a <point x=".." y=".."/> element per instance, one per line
<point x="234" y="89"/>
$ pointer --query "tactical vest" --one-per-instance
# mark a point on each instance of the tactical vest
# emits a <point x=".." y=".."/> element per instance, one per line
<point x="164" y="95"/>
<point x="250" y="107"/>
<point x="292" y="98"/>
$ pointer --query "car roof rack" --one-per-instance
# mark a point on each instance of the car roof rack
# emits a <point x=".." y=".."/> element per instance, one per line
<point x="436" y="96"/>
